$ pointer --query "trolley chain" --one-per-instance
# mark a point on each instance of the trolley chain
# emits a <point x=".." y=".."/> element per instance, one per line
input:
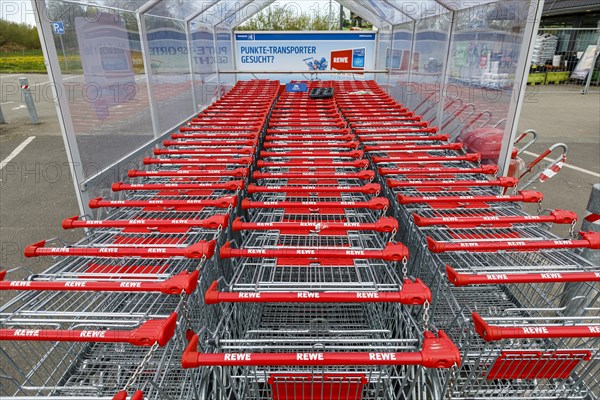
<point x="451" y="381"/>
<point x="426" y="316"/>
<point x="404" y="268"/>
<point x="141" y="366"/>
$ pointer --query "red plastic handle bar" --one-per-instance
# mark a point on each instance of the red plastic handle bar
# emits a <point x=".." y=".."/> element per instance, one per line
<point x="210" y="143"/>
<point x="217" y="159"/>
<point x="308" y="131"/>
<point x="403" y="138"/>
<point x="492" y="332"/>
<point x="197" y="250"/>
<point x="213" y="222"/>
<point x="471" y="157"/>
<point x="215" y="129"/>
<point x="214" y="152"/>
<point x="486" y="169"/>
<point x="223" y="202"/>
<point x="152" y="331"/>
<point x="384" y="224"/>
<point x="238" y="172"/>
<point x="525" y="196"/>
<point x="377" y="124"/>
<point x="313" y="163"/>
<point x="391" y="252"/>
<point x="589" y="240"/>
<point x="377" y="203"/>
<point x="215" y="135"/>
<point x="122" y="395"/>
<point x="365" y="175"/>
<point x="557" y="216"/>
<point x="370" y="188"/>
<point x="505" y="182"/>
<point x="384" y="118"/>
<point x="413" y="147"/>
<point x="302" y="138"/>
<point x="312" y="145"/>
<point x="461" y="279"/>
<point x="231" y="186"/>
<point x="436" y="352"/>
<point x="177" y="284"/>
<point x="413" y="293"/>
<point x="313" y="153"/>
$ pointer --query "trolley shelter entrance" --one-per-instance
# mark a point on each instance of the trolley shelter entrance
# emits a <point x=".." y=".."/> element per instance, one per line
<point x="126" y="73"/>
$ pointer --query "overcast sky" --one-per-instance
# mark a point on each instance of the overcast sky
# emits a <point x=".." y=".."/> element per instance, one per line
<point x="21" y="11"/>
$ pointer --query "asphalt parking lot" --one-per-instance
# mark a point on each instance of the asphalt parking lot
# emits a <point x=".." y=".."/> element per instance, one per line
<point x="36" y="191"/>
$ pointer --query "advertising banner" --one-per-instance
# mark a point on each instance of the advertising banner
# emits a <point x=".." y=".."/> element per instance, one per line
<point x="309" y="51"/>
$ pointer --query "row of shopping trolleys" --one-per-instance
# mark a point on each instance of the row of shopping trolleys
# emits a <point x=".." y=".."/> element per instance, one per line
<point x="318" y="301"/>
<point x="520" y="302"/>
<point x="112" y="315"/>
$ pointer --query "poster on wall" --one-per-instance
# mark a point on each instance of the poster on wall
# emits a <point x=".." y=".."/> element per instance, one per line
<point x="304" y="51"/>
<point x="106" y="61"/>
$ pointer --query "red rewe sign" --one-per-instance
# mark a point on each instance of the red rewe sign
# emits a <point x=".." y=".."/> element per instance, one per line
<point x="342" y="60"/>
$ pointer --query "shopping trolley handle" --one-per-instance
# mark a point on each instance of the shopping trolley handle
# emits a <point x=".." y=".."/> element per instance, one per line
<point x="556" y="216"/>
<point x="230" y="185"/>
<point x="411" y="293"/>
<point x="198" y="250"/>
<point x="122" y="395"/>
<point x="505" y="182"/>
<point x="153" y="331"/>
<point x="530" y="331"/>
<point x="589" y="240"/>
<point x="393" y="252"/>
<point x="175" y="225"/>
<point x="177" y="284"/>
<point x="464" y="279"/>
<point x="437" y="352"/>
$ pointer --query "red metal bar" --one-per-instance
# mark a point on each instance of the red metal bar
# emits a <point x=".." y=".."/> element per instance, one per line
<point x="491" y="333"/>
<point x="238" y="172"/>
<point x="213" y="222"/>
<point x="177" y="284"/>
<point x="384" y="224"/>
<point x="471" y="157"/>
<point x="231" y="186"/>
<point x="505" y="182"/>
<point x="223" y="202"/>
<point x="460" y="279"/>
<point x="152" y="331"/>
<point x="370" y="188"/>
<point x="313" y="163"/>
<point x="199" y="161"/>
<point x="589" y="240"/>
<point x="197" y="250"/>
<point x="365" y="175"/>
<point x="392" y="252"/>
<point x="486" y="169"/>
<point x="436" y="352"/>
<point x="377" y="203"/>
<point x="413" y="293"/>
<point x="524" y="196"/>
<point x="556" y="216"/>
<point x="313" y="153"/>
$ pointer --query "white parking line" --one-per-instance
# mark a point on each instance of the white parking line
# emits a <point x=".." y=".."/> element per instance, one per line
<point x="16" y="151"/>
<point x="585" y="171"/>
<point x="8" y="102"/>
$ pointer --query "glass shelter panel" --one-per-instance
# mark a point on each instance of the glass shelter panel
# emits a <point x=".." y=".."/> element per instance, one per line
<point x="171" y="76"/>
<point x="101" y="63"/>
<point x="484" y="55"/>
<point x="399" y="60"/>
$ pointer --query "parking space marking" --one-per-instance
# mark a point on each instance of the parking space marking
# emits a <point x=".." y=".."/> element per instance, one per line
<point x="16" y="151"/>
<point x="7" y="102"/>
<point x="585" y="171"/>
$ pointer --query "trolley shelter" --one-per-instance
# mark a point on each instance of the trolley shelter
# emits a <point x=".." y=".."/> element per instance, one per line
<point x="299" y="215"/>
<point x="149" y="65"/>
